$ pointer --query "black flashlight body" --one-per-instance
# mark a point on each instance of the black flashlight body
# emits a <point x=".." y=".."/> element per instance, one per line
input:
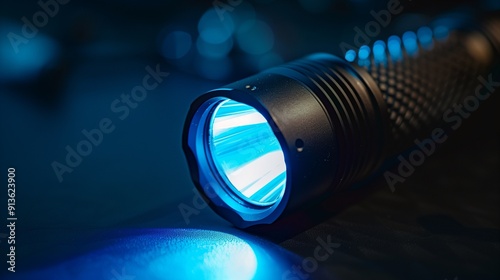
<point x="338" y="121"/>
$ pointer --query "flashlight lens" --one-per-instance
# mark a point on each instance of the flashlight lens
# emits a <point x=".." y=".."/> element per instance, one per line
<point x="246" y="153"/>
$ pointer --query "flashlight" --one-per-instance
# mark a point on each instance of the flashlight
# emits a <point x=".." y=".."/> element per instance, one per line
<point x="263" y="146"/>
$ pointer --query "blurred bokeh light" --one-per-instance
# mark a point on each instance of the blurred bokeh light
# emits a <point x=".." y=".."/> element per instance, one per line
<point x="24" y="61"/>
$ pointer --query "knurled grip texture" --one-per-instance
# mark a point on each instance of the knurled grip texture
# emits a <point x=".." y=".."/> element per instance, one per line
<point x="420" y="82"/>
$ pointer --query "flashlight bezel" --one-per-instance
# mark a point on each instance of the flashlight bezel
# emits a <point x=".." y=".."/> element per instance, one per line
<point x="217" y="167"/>
<point x="209" y="181"/>
<point x="329" y="118"/>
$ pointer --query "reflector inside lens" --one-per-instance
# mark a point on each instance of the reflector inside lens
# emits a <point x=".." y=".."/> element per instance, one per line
<point x="246" y="153"/>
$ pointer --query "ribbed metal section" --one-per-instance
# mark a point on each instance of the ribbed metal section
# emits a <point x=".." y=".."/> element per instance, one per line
<point x="354" y="111"/>
<point x="419" y="87"/>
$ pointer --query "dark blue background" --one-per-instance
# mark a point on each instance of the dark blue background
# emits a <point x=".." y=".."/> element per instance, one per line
<point x="66" y="77"/>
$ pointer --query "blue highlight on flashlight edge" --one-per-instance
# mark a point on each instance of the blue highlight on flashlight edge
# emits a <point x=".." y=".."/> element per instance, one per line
<point x="246" y="153"/>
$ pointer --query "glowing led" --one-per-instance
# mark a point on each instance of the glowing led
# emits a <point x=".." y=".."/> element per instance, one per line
<point x="246" y="153"/>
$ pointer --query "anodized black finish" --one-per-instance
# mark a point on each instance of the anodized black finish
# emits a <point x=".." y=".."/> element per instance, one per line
<point x="338" y="122"/>
<point x="419" y="89"/>
<point x="330" y="120"/>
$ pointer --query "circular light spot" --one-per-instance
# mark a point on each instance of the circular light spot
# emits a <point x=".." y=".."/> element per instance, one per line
<point x="24" y="61"/>
<point x="364" y="52"/>
<point x="255" y="37"/>
<point x="214" y="27"/>
<point x="350" y="55"/>
<point x="424" y="35"/>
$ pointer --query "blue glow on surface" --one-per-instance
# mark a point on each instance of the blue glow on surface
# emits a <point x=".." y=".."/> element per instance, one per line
<point x="166" y="254"/>
<point x="176" y="45"/>
<point x="214" y="30"/>
<point x="246" y="153"/>
<point x="364" y="52"/>
<point x="394" y="46"/>
<point x="410" y="42"/>
<point x="350" y="55"/>
<point x="425" y="36"/>
<point x="210" y="50"/>
<point x="441" y="32"/>
<point x="225" y="257"/>
<point x="255" y="37"/>
<point x="379" y="51"/>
